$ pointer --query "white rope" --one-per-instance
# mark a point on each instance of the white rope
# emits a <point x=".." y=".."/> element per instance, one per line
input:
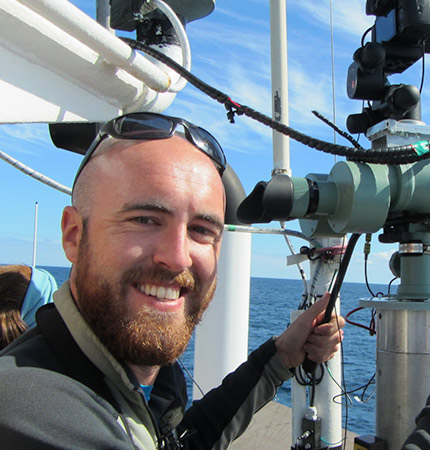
<point x="36" y="175"/>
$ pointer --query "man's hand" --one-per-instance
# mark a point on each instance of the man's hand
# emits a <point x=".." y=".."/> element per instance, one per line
<point x="305" y="337"/>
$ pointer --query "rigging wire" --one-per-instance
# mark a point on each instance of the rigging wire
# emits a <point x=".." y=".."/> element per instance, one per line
<point x="34" y="174"/>
<point x="191" y="377"/>
<point x="267" y="230"/>
<point x="333" y="84"/>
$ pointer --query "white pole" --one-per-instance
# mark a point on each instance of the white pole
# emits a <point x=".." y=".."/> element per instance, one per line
<point x="327" y="409"/>
<point x="114" y="51"/>
<point x="35" y="234"/>
<point x="103" y="14"/>
<point x="221" y="343"/>
<point x="279" y="69"/>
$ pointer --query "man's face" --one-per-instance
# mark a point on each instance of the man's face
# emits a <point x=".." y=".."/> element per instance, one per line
<point x="146" y="264"/>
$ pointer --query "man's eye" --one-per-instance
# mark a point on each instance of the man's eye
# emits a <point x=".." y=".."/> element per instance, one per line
<point x="143" y="220"/>
<point x="205" y="233"/>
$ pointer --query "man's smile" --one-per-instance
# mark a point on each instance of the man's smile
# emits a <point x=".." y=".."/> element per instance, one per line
<point x="161" y="292"/>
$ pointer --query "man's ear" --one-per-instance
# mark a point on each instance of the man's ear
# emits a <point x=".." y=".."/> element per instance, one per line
<point x="71" y="227"/>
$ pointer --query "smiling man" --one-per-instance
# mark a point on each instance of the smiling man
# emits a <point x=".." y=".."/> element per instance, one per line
<point x="157" y="238"/>
<point x="144" y="235"/>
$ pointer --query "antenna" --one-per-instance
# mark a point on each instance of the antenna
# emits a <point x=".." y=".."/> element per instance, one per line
<point x="36" y="205"/>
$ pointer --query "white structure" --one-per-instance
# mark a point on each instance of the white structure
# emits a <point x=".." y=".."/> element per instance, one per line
<point x="59" y="65"/>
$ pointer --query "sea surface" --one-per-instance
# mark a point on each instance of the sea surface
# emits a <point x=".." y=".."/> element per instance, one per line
<point x="272" y="300"/>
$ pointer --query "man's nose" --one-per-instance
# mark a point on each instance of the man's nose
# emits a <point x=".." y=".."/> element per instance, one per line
<point x="173" y="249"/>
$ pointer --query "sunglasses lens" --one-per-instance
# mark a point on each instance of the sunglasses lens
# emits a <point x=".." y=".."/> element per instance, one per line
<point x="209" y="145"/>
<point x="143" y="126"/>
<point x="147" y="126"/>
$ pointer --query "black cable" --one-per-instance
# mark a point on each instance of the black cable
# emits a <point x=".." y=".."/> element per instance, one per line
<point x="365" y="34"/>
<point x="191" y="377"/>
<point x="308" y="365"/>
<point x="371" y="381"/>
<point x="342" y="133"/>
<point x="341" y="275"/>
<point x="365" y="276"/>
<point x="404" y="154"/>
<point x="312" y="397"/>
<point x="364" y="387"/>
<point x="389" y="285"/>
<point x="423" y="70"/>
<point x="305" y="379"/>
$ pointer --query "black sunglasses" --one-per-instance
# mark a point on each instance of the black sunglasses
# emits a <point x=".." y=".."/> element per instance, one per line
<point x="151" y="126"/>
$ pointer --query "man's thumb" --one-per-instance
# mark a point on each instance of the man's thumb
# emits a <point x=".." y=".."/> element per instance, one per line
<point x="318" y="307"/>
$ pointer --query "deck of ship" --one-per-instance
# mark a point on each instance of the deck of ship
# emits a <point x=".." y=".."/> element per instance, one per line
<point x="270" y="429"/>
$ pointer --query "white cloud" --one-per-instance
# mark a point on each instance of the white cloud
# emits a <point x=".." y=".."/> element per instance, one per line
<point x="229" y="40"/>
<point x="26" y="132"/>
<point x="263" y="22"/>
<point x="348" y="16"/>
<point x="308" y="93"/>
<point x="380" y="257"/>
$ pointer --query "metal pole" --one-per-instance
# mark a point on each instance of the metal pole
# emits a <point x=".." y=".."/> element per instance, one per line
<point x="330" y="412"/>
<point x="35" y="234"/>
<point x="103" y="14"/>
<point x="279" y="69"/>
<point x="227" y="319"/>
<point x="403" y="339"/>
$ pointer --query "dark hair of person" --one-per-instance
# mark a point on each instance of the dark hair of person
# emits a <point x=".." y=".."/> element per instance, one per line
<point x="14" y="281"/>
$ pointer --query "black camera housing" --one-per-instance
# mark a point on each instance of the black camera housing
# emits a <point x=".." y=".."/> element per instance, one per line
<point x="399" y="38"/>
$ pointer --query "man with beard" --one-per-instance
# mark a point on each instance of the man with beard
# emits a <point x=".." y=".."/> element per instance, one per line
<point x="143" y="234"/>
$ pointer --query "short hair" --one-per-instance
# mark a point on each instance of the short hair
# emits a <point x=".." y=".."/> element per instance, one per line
<point x="14" y="282"/>
<point x="81" y="192"/>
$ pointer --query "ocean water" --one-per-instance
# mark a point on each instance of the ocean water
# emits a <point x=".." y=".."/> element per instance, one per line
<point x="272" y="300"/>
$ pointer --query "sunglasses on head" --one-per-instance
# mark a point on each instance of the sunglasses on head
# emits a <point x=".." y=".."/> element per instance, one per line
<point x="151" y="126"/>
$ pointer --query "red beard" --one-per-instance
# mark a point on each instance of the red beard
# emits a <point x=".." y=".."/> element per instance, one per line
<point x="151" y="337"/>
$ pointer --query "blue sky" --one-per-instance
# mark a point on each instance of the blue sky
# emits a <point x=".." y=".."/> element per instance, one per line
<point x="231" y="51"/>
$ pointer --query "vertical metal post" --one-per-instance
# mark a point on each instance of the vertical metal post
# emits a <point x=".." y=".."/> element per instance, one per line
<point x="103" y="14"/>
<point x="33" y="264"/>
<point x="402" y="364"/>
<point x="403" y="338"/>
<point x="279" y="68"/>
<point x="221" y="343"/>
<point x="330" y="412"/>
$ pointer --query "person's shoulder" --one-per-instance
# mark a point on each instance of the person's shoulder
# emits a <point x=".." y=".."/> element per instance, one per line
<point x="30" y="363"/>
<point x="30" y="349"/>
<point x="41" y="408"/>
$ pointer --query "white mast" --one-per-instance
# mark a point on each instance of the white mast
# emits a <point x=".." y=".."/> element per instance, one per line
<point x="35" y="234"/>
<point x="279" y="69"/>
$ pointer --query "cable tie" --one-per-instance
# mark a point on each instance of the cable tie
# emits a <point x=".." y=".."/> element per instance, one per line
<point x="421" y="147"/>
<point x="233" y="108"/>
<point x="237" y="105"/>
<point x="230" y="113"/>
<point x="333" y="251"/>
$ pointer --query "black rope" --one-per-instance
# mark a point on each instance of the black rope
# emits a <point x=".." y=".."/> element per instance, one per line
<point x="404" y="154"/>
